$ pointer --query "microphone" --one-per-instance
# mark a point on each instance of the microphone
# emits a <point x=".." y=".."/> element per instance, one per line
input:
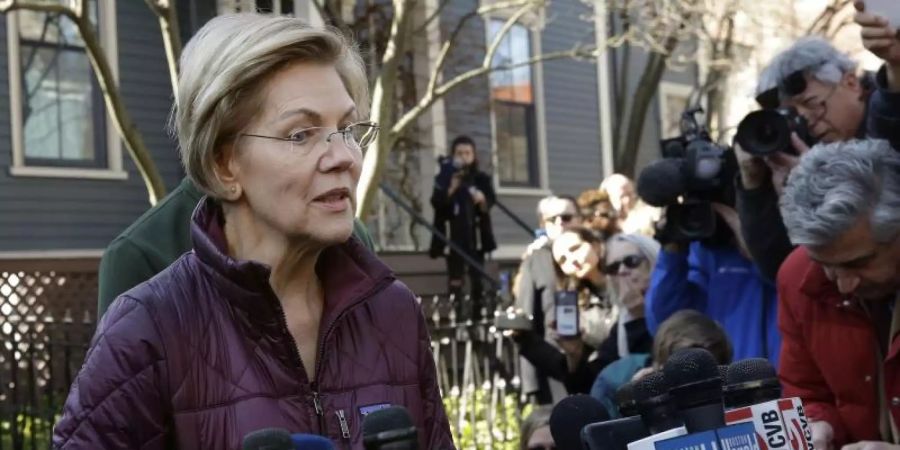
<point x="625" y="400"/>
<point x="571" y="415"/>
<point x="696" y="387"/>
<point x="752" y="394"/>
<point x="389" y="429"/>
<point x="656" y="406"/>
<point x="585" y="416"/>
<point x="303" y="441"/>
<point x="751" y="381"/>
<point x="657" y="410"/>
<point x="268" y="439"/>
<point x="723" y="374"/>
<point x="661" y="182"/>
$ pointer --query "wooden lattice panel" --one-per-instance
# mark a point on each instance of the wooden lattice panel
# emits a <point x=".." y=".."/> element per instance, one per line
<point x="47" y="314"/>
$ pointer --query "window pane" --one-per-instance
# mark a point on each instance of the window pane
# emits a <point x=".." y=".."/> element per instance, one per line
<point x="515" y="155"/>
<point x="515" y="48"/>
<point x="58" y="105"/>
<point x="52" y="28"/>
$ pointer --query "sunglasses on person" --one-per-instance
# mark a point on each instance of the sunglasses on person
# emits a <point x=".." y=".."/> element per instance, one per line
<point x="630" y="261"/>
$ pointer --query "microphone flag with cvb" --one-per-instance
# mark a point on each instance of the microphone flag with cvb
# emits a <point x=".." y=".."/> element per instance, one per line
<point x="753" y="395"/>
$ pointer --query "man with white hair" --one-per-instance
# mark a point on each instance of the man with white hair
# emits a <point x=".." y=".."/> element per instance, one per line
<point x="838" y="293"/>
<point x="823" y="86"/>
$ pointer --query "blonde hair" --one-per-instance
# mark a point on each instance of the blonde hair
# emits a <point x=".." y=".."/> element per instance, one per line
<point x="223" y="70"/>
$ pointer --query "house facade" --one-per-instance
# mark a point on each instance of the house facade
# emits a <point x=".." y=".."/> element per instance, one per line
<point x="68" y="185"/>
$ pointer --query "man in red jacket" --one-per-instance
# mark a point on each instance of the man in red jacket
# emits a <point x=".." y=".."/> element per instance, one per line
<point x="838" y="291"/>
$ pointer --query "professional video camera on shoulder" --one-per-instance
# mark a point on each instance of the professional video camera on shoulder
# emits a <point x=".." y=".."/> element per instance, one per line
<point x="694" y="172"/>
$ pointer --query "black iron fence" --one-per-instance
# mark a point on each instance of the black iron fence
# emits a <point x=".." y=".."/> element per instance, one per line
<point x="47" y="321"/>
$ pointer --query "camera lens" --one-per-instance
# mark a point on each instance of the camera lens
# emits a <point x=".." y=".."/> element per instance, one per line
<point x="764" y="132"/>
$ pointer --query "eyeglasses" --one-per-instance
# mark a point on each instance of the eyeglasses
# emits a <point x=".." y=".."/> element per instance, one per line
<point x="630" y="261"/>
<point x="356" y="136"/>
<point x="816" y="107"/>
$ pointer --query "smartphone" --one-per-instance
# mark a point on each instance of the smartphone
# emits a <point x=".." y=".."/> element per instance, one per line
<point x="567" y="313"/>
<point x="889" y="9"/>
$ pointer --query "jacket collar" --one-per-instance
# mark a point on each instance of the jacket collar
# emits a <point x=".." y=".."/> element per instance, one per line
<point x="349" y="272"/>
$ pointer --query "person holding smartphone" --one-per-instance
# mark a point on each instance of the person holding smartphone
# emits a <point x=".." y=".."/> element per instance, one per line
<point x="618" y="281"/>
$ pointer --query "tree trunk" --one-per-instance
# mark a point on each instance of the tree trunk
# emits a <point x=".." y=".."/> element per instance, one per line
<point x="643" y="95"/>
<point x="384" y="109"/>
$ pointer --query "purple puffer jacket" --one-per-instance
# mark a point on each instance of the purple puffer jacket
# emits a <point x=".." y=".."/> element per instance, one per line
<point x="199" y="356"/>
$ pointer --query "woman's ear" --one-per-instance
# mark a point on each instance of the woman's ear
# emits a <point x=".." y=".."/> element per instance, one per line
<point x="227" y="171"/>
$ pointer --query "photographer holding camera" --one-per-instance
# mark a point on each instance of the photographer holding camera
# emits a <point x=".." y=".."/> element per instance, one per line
<point x="462" y="201"/>
<point x="818" y="91"/>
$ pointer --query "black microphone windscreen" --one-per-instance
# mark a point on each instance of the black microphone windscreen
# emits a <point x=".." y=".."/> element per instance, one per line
<point x="625" y="400"/>
<point x="268" y="439"/>
<point x="652" y="385"/>
<point x="690" y="365"/>
<point x="752" y="369"/>
<point x="572" y="414"/>
<point x="391" y="425"/>
<point x="661" y="182"/>
<point x="723" y="373"/>
<point x="751" y="381"/>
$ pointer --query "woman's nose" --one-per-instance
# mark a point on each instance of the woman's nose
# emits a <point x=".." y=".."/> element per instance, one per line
<point x="339" y="156"/>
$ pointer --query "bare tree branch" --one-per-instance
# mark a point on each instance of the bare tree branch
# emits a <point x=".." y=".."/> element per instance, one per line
<point x="430" y="97"/>
<point x="166" y="13"/>
<point x="432" y="17"/>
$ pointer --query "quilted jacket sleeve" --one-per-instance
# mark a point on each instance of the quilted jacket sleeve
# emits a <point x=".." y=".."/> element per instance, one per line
<point x="116" y="401"/>
<point x="437" y="427"/>
<point x="799" y="374"/>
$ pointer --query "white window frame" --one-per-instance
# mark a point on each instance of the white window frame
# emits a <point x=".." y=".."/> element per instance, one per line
<point x="304" y="9"/>
<point x="667" y="88"/>
<point x="114" y="169"/>
<point x="534" y="24"/>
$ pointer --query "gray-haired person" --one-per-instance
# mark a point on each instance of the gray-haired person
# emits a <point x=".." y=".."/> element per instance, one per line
<point x="838" y="292"/>
<point x="839" y="104"/>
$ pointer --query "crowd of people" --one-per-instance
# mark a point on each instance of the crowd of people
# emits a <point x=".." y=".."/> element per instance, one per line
<point x="803" y="268"/>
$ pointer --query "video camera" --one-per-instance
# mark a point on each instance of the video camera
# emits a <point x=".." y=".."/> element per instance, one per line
<point x="694" y="172"/>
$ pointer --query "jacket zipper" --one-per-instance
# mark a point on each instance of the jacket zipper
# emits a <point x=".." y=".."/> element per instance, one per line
<point x="314" y="385"/>
<point x="345" y="430"/>
<point x="320" y="413"/>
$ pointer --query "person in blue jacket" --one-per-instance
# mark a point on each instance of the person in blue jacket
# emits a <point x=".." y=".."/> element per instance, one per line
<point x="716" y="277"/>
